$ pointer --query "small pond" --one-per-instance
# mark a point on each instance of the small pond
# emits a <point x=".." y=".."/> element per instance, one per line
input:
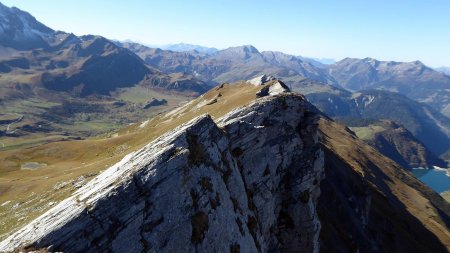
<point x="32" y="166"/>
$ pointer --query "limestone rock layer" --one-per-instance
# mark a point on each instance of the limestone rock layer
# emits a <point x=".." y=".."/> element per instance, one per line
<point x="249" y="183"/>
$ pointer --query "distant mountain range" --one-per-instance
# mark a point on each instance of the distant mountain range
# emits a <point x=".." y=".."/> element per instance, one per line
<point x="412" y="79"/>
<point x="62" y="61"/>
<point x="445" y="70"/>
<point x="37" y="61"/>
<point x="231" y="64"/>
<point x="183" y="47"/>
<point x="62" y="85"/>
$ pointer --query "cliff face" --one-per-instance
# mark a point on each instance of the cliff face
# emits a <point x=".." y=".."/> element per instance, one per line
<point x="272" y="176"/>
<point x="251" y="185"/>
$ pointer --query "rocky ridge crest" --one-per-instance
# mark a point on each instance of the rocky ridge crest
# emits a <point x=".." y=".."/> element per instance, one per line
<point x="248" y="183"/>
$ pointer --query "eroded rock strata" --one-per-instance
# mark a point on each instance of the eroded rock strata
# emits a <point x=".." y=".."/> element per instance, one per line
<point x="248" y="184"/>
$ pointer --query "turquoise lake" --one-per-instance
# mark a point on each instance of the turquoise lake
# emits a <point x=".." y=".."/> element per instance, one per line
<point x="435" y="179"/>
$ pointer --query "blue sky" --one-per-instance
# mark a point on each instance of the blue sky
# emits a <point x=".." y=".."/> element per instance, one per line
<point x="401" y="30"/>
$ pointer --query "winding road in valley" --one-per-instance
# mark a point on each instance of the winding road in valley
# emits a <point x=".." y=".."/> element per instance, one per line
<point x="8" y="127"/>
<point x="20" y="117"/>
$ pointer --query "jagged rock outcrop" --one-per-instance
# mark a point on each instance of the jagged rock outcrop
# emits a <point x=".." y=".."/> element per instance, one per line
<point x="273" y="86"/>
<point x="262" y="79"/>
<point x="249" y="185"/>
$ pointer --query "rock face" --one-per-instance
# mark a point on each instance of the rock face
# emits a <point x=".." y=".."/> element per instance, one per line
<point x="273" y="87"/>
<point x="248" y="184"/>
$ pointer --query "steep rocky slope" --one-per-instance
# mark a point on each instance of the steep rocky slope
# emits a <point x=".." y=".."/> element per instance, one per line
<point x="69" y="164"/>
<point x="253" y="180"/>
<point x="250" y="185"/>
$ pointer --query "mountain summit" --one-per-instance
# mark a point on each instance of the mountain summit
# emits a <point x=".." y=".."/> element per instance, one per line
<point x="20" y="30"/>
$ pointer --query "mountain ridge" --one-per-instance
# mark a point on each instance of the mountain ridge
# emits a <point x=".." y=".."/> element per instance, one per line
<point x="397" y="143"/>
<point x="413" y="79"/>
<point x="20" y="30"/>
<point x="197" y="148"/>
<point x="231" y="64"/>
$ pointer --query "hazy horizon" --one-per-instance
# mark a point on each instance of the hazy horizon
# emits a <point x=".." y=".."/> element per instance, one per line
<point x="385" y="30"/>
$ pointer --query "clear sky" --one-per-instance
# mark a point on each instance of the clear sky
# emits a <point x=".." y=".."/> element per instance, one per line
<point x="401" y="30"/>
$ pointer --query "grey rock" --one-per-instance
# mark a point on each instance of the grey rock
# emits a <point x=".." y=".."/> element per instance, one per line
<point x="246" y="184"/>
<point x="260" y="80"/>
<point x="272" y="89"/>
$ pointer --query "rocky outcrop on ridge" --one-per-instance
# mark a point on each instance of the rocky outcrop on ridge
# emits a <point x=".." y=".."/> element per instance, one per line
<point x="273" y="86"/>
<point x="250" y="185"/>
<point x="260" y="80"/>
